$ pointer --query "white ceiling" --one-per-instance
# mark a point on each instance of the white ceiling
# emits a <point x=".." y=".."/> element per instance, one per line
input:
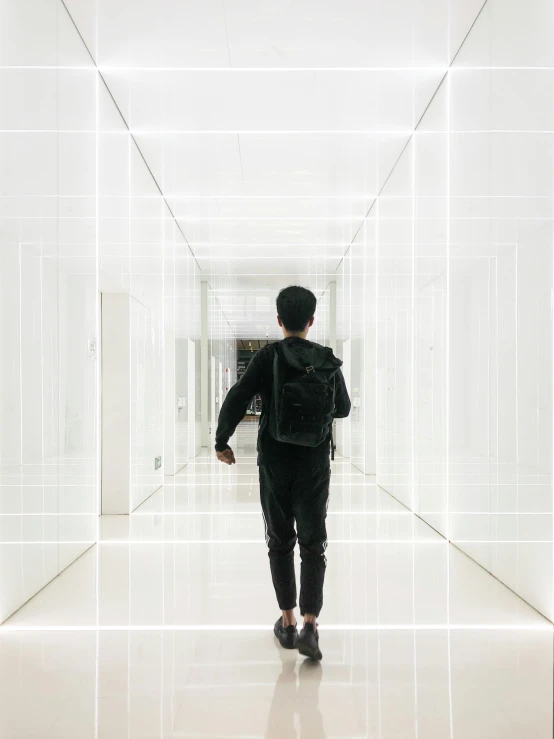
<point x="273" y="33"/>
<point x="271" y="125"/>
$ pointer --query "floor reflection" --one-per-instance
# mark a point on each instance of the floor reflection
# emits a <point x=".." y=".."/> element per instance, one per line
<point x="164" y="630"/>
<point x="294" y="711"/>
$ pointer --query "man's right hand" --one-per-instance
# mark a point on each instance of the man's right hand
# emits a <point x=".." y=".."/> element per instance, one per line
<point x="227" y="456"/>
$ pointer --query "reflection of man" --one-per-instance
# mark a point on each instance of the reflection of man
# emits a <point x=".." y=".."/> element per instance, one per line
<point x="290" y="698"/>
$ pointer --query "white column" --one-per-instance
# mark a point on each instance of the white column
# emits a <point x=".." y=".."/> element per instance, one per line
<point x="204" y="367"/>
<point x="333" y="316"/>
<point x="116" y="404"/>
<point x="191" y="377"/>
<point x="213" y="419"/>
<point x="170" y="457"/>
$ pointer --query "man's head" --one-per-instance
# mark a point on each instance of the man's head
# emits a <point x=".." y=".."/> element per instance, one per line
<point x="295" y="310"/>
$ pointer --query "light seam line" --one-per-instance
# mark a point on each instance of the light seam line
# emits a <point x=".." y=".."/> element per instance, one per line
<point x="274" y="132"/>
<point x="199" y="244"/>
<point x="362" y="196"/>
<point x="126" y="542"/>
<point x="98" y="395"/>
<point x="546" y="627"/>
<point x="20" y="352"/>
<point x="98" y="312"/>
<point x="447" y="430"/>
<point x="436" y="68"/>
<point x="388" y="69"/>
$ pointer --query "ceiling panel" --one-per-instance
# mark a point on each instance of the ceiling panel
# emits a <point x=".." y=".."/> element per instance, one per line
<point x="267" y="32"/>
<point x="252" y="310"/>
<point x="327" y="33"/>
<point x="268" y="206"/>
<point x="329" y="254"/>
<point x="255" y="232"/>
<point x="267" y="164"/>
<point x="272" y="266"/>
<point x="171" y="100"/>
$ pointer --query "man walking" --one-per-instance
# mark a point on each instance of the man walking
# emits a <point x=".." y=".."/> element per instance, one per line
<point x="302" y="390"/>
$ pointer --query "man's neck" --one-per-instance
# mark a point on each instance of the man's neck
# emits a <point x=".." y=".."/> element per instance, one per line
<point x="298" y="334"/>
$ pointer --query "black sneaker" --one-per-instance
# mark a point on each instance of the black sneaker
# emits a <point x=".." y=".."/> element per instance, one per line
<point x="287" y="635"/>
<point x="308" y="642"/>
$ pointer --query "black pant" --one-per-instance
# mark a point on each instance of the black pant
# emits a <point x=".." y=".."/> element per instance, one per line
<point x="294" y="486"/>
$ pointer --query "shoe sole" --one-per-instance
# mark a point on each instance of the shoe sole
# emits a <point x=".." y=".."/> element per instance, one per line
<point x="311" y="652"/>
<point x="289" y="644"/>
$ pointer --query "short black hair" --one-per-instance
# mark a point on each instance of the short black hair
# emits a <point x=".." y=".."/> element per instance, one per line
<point x="295" y="306"/>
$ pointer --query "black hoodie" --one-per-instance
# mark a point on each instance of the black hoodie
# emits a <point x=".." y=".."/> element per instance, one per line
<point x="258" y="380"/>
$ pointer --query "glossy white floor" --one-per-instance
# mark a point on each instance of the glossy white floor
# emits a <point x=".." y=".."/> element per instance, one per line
<point x="164" y="629"/>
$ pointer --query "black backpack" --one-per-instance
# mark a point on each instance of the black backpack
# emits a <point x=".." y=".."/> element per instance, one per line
<point x="303" y="402"/>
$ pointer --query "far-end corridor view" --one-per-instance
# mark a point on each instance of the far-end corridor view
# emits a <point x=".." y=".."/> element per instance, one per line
<point x="276" y="369"/>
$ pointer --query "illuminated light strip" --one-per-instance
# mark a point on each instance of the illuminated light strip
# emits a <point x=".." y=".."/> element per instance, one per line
<point x="89" y="131"/>
<point x="447" y="348"/>
<point x="447" y="400"/>
<point x="412" y="329"/>
<point x="257" y="513"/>
<point x="323" y="131"/>
<point x="237" y="245"/>
<point x="437" y="539"/>
<point x="254" y="483"/>
<point x="98" y="327"/>
<point x="127" y="68"/>
<point x="48" y="67"/>
<point x="499" y="68"/>
<point x="42" y="431"/>
<point x="64" y="459"/>
<point x="158" y="542"/>
<point x="288" y="219"/>
<point x="281" y="197"/>
<point x="247" y="513"/>
<point x="40" y="513"/>
<point x="547" y="627"/>
<point x="193" y="219"/>
<point x="414" y="68"/>
<point x="273" y="132"/>
<point x="230" y="258"/>
<point x="390" y="133"/>
<point x="20" y="352"/>
<point x="334" y="485"/>
<point x="390" y="68"/>
<point x="177" y="196"/>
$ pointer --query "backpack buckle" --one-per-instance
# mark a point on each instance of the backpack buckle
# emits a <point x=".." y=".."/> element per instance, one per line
<point x="309" y="369"/>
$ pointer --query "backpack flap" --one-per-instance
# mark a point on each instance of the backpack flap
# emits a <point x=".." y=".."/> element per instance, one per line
<point x="303" y="393"/>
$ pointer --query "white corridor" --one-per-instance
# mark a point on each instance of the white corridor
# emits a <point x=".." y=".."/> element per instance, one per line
<point x="167" y="168"/>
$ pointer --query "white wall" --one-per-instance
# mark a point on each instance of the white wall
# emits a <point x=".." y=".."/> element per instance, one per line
<point x="501" y="292"/>
<point x="464" y="316"/>
<point x="80" y="214"/>
<point x="48" y="303"/>
<point x="356" y="310"/>
<point x="222" y="353"/>
<point x="143" y="252"/>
